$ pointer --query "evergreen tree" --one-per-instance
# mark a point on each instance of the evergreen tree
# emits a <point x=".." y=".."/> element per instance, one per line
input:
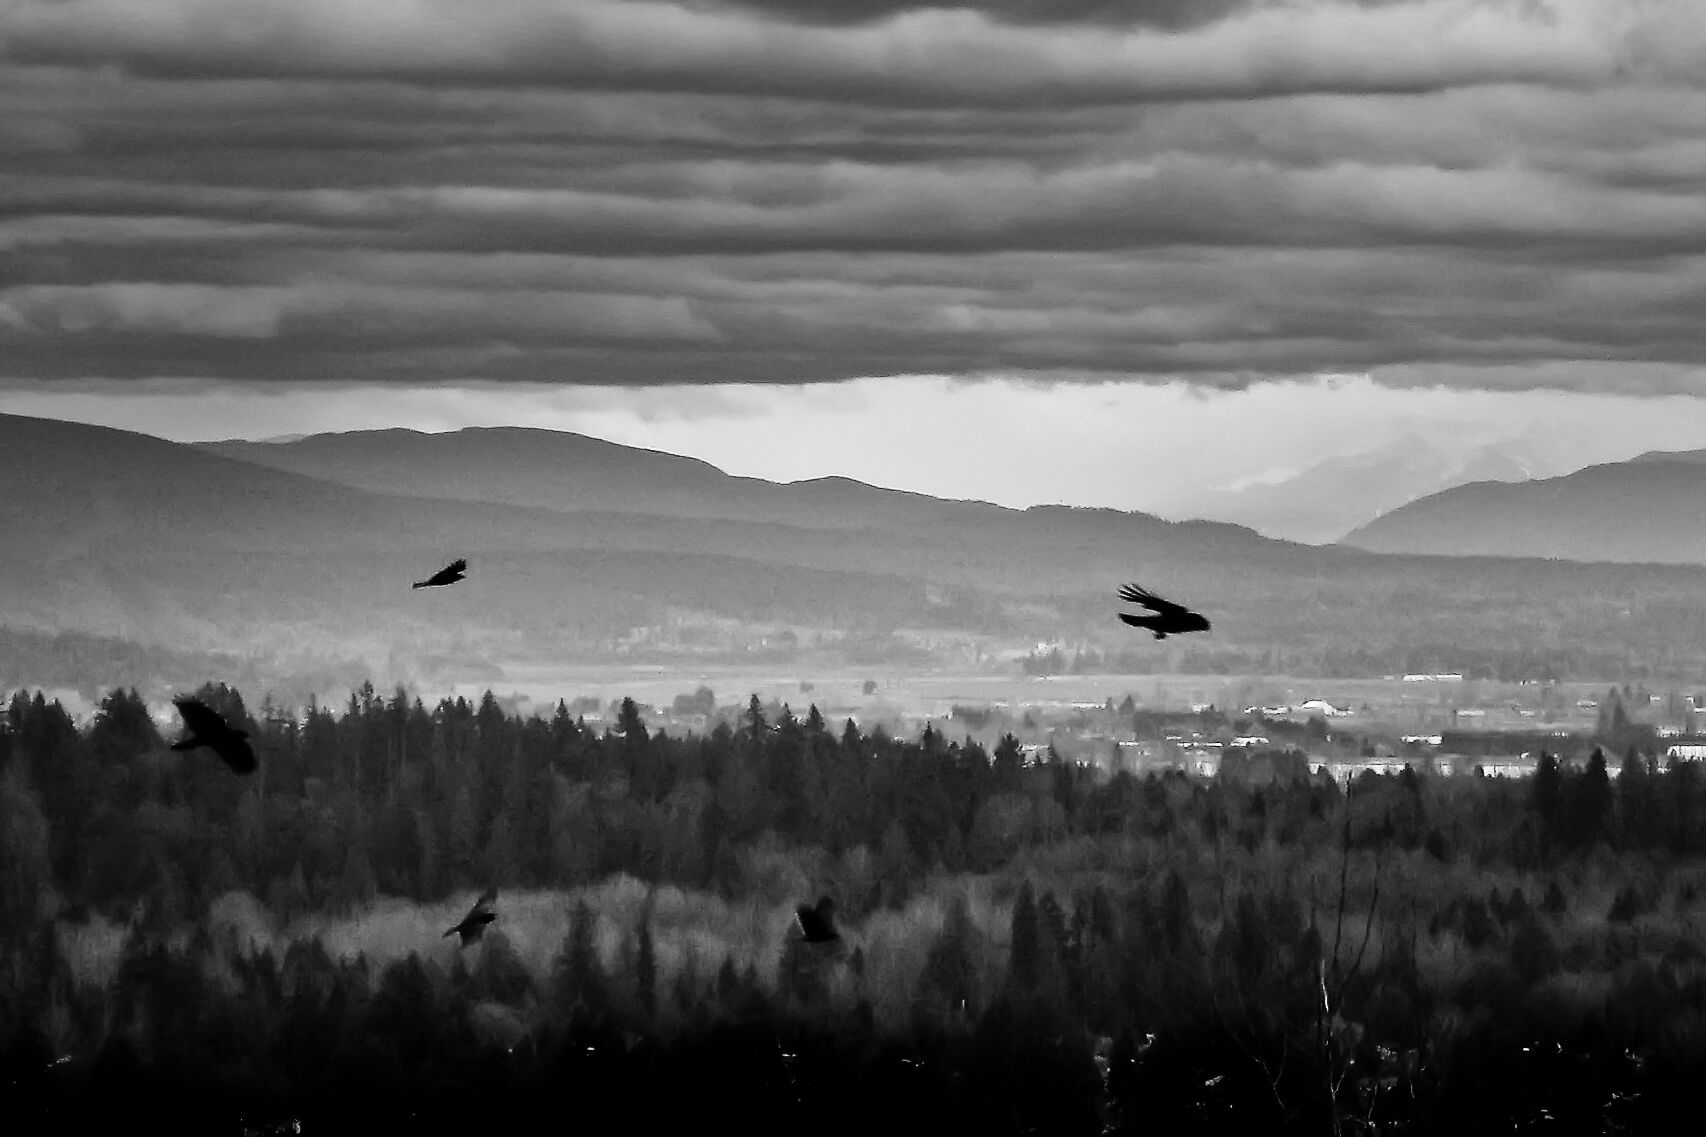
<point x="122" y="729"/>
<point x="1548" y="798"/>
<point x="1023" y="959"/>
<point x="1635" y="800"/>
<point x="728" y="983"/>
<point x="1178" y="923"/>
<point x="630" y="725"/>
<point x="1054" y="976"/>
<point x="357" y="885"/>
<point x="947" y="985"/>
<point x="645" y="964"/>
<point x="24" y="845"/>
<point x="1590" y="803"/>
<point x="578" y="978"/>
<point x="1008" y="765"/>
<point x="1682" y="786"/>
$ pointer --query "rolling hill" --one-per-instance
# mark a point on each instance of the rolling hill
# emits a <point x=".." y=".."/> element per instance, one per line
<point x="560" y="470"/>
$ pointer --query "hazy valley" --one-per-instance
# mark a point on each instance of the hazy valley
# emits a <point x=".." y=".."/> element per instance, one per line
<point x="583" y="552"/>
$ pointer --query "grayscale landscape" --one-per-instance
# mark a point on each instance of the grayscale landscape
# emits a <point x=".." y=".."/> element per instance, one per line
<point x="1079" y="568"/>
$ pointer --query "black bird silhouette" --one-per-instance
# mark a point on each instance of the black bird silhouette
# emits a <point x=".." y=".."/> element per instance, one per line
<point x="449" y="574"/>
<point x="817" y="925"/>
<point x="207" y="728"/>
<point x="1169" y="619"/>
<point x="473" y="925"/>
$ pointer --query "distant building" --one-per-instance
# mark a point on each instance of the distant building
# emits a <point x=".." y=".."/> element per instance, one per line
<point x="1451" y="765"/>
<point x="1136" y="756"/>
<point x="1344" y="770"/>
<point x="1519" y="767"/>
<point x="1687" y="751"/>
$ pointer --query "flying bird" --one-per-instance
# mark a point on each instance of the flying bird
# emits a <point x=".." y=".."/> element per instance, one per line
<point x="449" y="574"/>
<point x="473" y="925"/>
<point x="817" y="925"/>
<point x="207" y="728"/>
<point x="1169" y="618"/>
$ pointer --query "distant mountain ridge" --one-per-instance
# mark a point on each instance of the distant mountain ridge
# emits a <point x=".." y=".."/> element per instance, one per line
<point x="1650" y="509"/>
<point x="562" y="470"/>
<point x="623" y="555"/>
<point x="1691" y="457"/>
<point x="1324" y="500"/>
<point x="118" y="533"/>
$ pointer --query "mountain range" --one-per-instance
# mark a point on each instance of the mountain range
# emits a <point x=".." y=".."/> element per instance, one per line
<point x="302" y="551"/>
<point x="558" y="470"/>
<point x="1650" y="509"/>
<point x="1326" y="499"/>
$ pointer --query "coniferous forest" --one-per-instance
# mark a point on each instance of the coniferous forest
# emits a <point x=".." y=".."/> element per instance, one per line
<point x="1024" y="947"/>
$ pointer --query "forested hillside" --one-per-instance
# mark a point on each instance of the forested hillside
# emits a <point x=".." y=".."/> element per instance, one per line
<point x="1025" y="945"/>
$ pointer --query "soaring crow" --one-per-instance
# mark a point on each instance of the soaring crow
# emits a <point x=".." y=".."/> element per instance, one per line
<point x="1169" y="619"/>
<point x="817" y="925"/>
<point x="207" y="728"/>
<point x="449" y="574"/>
<point x="473" y="925"/>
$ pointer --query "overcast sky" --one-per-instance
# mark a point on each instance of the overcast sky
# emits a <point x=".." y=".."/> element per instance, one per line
<point x="1138" y="204"/>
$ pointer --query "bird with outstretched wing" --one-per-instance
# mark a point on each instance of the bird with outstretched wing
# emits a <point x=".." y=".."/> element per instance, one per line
<point x="1168" y="618"/>
<point x="449" y="574"/>
<point x="817" y="924"/>
<point x="473" y="925"/>
<point x="208" y="728"/>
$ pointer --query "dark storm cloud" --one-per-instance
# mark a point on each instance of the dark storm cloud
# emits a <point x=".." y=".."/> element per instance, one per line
<point x="1172" y="15"/>
<point x="439" y="192"/>
<point x="927" y="55"/>
<point x="755" y="206"/>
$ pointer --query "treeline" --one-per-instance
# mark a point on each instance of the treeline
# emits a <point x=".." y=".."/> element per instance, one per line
<point x="70" y="659"/>
<point x="391" y="797"/>
<point x="91" y="664"/>
<point x="1339" y="656"/>
<point x="1025" y="946"/>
